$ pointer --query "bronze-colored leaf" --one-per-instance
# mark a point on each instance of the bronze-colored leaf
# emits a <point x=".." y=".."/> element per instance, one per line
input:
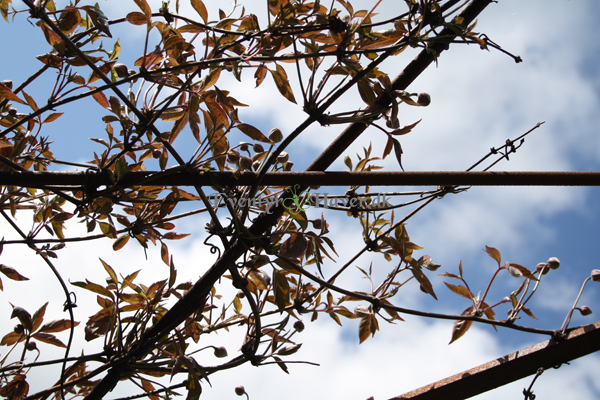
<point x="94" y="287"/>
<point x="48" y="338"/>
<point x="101" y="99"/>
<point x="16" y="389"/>
<point x="11" y="273"/>
<point x="460" y="290"/>
<point x="495" y="254"/>
<point x="52" y="117"/>
<point x="253" y="132"/>
<point x="23" y="316"/>
<point x="461" y="326"/>
<point x="11" y="338"/>
<point x="294" y="246"/>
<point x="38" y="317"/>
<point x="121" y="242"/>
<point x="57" y="325"/>
<point x="424" y="281"/>
<point x="200" y="9"/>
<point x="136" y="18"/>
<point x="283" y="85"/>
<point x="405" y="129"/>
<point x="281" y="289"/>
<point x="149" y="387"/>
<point x="7" y="93"/>
<point x="524" y="271"/>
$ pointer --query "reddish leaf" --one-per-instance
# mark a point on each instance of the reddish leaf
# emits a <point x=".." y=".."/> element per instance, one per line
<point x="281" y="364"/>
<point x="23" y="316"/>
<point x="148" y="387"/>
<point x="200" y="9"/>
<point x="283" y="85"/>
<point x="30" y="101"/>
<point x="143" y="5"/>
<point x="121" y="242"/>
<point x="164" y="253"/>
<point x="11" y="273"/>
<point x="111" y="271"/>
<point x="253" y="132"/>
<point x="424" y="281"/>
<point x="281" y="289"/>
<point x="38" y="317"/>
<point x="94" y="287"/>
<point x="136" y="18"/>
<point x="15" y="389"/>
<point x="460" y="290"/>
<point x="58" y="325"/>
<point x="101" y="99"/>
<point x="405" y="129"/>
<point x="7" y="93"/>
<point x="461" y="327"/>
<point x="48" y="338"/>
<point x="524" y="271"/>
<point x="293" y="247"/>
<point x="12" y="338"/>
<point x="495" y="254"/>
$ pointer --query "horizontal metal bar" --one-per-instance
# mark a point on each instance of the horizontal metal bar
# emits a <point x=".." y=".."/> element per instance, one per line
<point x="551" y="353"/>
<point x="335" y="178"/>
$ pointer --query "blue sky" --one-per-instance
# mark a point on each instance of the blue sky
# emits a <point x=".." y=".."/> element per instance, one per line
<point x="479" y="99"/>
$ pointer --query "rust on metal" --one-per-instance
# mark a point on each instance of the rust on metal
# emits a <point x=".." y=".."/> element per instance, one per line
<point x="308" y="178"/>
<point x="551" y="353"/>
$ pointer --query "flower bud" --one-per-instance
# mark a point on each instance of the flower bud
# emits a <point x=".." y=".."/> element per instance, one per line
<point x="288" y="166"/>
<point x="233" y="158"/>
<point x="585" y="310"/>
<point x="240" y="391"/>
<point x="220" y="352"/>
<point x="121" y="70"/>
<point x="241" y="294"/>
<point x="299" y="326"/>
<point x="275" y="135"/>
<point x="156" y="153"/>
<point x="8" y="83"/>
<point x="18" y="329"/>
<point x="243" y="146"/>
<point x="283" y="157"/>
<point x="553" y="263"/>
<point x="245" y="162"/>
<point x="31" y="346"/>
<point x="543" y="267"/>
<point x="596" y="275"/>
<point x="132" y="72"/>
<point x="423" y="99"/>
<point x="258" y="148"/>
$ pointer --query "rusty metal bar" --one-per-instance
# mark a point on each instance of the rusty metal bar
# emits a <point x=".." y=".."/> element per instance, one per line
<point x="79" y="179"/>
<point x="551" y="353"/>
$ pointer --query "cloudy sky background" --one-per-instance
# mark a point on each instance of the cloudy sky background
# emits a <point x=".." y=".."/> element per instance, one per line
<point x="479" y="99"/>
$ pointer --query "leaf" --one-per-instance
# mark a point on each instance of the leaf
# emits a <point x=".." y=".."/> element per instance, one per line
<point x="52" y="117"/>
<point x="405" y="129"/>
<point x="524" y="271"/>
<point x="11" y="338"/>
<point x="253" y="132"/>
<point x="50" y="339"/>
<point x="283" y="85"/>
<point x="200" y="9"/>
<point x="111" y="271"/>
<point x="398" y="151"/>
<point x="143" y="5"/>
<point x="148" y="387"/>
<point x="30" y="101"/>
<point x="461" y="326"/>
<point x="23" y="316"/>
<point x="287" y="350"/>
<point x="94" y="287"/>
<point x="38" y="317"/>
<point x="7" y="93"/>
<point x="281" y="364"/>
<point x="121" y="242"/>
<point x="424" y="281"/>
<point x="495" y="254"/>
<point x="136" y="18"/>
<point x="366" y="92"/>
<point x="58" y="325"/>
<point x="164" y="253"/>
<point x="294" y="246"/>
<point x="101" y="99"/>
<point x="98" y="19"/>
<point x="11" y="273"/>
<point x="281" y="289"/>
<point x="260" y="74"/>
<point x="528" y="312"/>
<point x="460" y="290"/>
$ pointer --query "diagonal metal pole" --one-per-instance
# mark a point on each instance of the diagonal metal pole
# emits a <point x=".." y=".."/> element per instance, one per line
<point x="551" y="353"/>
